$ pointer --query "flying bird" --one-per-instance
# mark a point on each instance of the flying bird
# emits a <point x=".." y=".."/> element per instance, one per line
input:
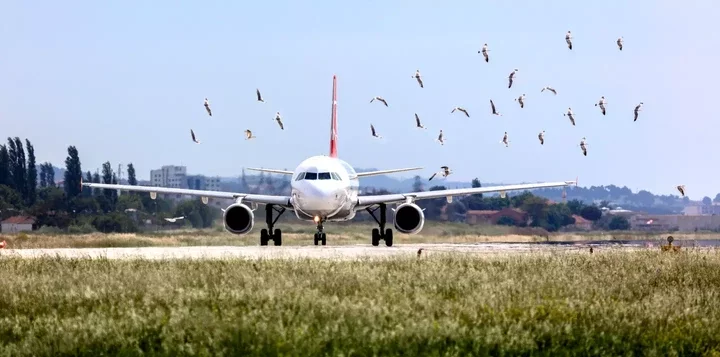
<point x="583" y="146"/>
<point x="568" y="39"/>
<point x="445" y="172"/>
<point x="505" y="139"/>
<point x="462" y="110"/>
<point x="521" y="100"/>
<point x="511" y="77"/>
<point x="249" y="135"/>
<point x="419" y="78"/>
<point x="541" y="137"/>
<point x="550" y="89"/>
<point x="372" y="128"/>
<point x="417" y="122"/>
<point x="637" y="110"/>
<point x="192" y="133"/>
<point x="601" y="104"/>
<point x="492" y="106"/>
<point x="570" y="115"/>
<point x="278" y="119"/>
<point x="681" y="188"/>
<point x="259" y="97"/>
<point x="379" y="99"/>
<point x="207" y="107"/>
<point x="620" y="43"/>
<point x="441" y="138"/>
<point x="484" y="52"/>
<point x="174" y="219"/>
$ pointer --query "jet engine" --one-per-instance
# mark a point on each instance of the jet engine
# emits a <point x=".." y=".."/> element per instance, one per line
<point x="409" y="218"/>
<point x="238" y="218"/>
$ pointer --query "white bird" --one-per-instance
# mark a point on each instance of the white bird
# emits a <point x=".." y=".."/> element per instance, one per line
<point x="278" y="119"/>
<point x="521" y="100"/>
<point x="379" y="99"/>
<point x="541" y="137"/>
<point x="583" y="146"/>
<point x="445" y="172"/>
<point x="484" y="52"/>
<point x="492" y="107"/>
<point x="601" y="104"/>
<point x="259" y="97"/>
<point x="174" y="219"/>
<point x="550" y="89"/>
<point x="192" y="133"/>
<point x="620" y="43"/>
<point x="570" y="115"/>
<point x="417" y="122"/>
<point x="372" y="128"/>
<point x="511" y="77"/>
<point x="441" y="138"/>
<point x="681" y="188"/>
<point x="568" y="39"/>
<point x="419" y="78"/>
<point x="505" y="139"/>
<point x="249" y="135"/>
<point x="462" y="110"/>
<point x="637" y="110"/>
<point x="207" y="107"/>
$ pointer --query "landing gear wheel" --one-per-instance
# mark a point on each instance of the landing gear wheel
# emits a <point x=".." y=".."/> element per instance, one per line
<point x="375" y="237"/>
<point x="267" y="234"/>
<point x="323" y="238"/>
<point x="388" y="237"/>
<point x="316" y="238"/>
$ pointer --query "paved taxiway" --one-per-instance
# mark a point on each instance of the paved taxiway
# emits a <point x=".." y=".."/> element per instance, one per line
<point x="331" y="252"/>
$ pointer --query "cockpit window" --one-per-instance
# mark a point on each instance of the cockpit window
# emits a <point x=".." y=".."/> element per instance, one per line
<point x="300" y="176"/>
<point x="335" y="176"/>
<point x="324" y="176"/>
<point x="311" y="175"/>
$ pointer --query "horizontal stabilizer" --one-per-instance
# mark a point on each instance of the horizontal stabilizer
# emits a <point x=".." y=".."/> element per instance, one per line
<point x="272" y="171"/>
<point x="384" y="172"/>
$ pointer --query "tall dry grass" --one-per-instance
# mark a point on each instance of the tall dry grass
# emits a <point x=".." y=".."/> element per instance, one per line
<point x="609" y="303"/>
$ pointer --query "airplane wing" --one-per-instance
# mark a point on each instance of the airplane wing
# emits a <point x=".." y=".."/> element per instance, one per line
<point x="272" y="171"/>
<point x="383" y="172"/>
<point x="366" y="201"/>
<point x="283" y="201"/>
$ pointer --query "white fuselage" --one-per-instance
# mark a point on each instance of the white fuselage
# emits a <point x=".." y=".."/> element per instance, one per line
<point x="324" y="188"/>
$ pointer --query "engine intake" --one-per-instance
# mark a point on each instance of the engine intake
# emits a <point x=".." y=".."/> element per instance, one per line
<point x="409" y="218"/>
<point x="239" y="218"/>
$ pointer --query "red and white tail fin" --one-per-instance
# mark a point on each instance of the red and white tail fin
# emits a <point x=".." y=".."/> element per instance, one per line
<point x="333" y="121"/>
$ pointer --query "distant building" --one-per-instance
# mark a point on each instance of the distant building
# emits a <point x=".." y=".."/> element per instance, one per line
<point x="701" y="210"/>
<point x="582" y="223"/>
<point x="17" y="224"/>
<point x="169" y="176"/>
<point x="200" y="182"/>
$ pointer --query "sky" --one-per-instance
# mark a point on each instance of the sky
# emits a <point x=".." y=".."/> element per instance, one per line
<point x="125" y="82"/>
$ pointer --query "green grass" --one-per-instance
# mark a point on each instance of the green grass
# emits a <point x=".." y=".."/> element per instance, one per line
<point x="608" y="303"/>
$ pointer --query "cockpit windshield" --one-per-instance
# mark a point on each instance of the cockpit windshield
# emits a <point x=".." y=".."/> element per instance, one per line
<point x="311" y="176"/>
<point x="318" y="176"/>
<point x="324" y="176"/>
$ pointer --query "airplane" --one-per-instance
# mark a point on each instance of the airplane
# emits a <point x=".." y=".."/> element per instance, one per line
<point x="326" y="189"/>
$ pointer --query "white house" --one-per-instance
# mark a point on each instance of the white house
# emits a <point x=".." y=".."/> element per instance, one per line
<point x="17" y="224"/>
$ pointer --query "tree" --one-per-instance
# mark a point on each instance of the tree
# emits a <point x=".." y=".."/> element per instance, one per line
<point x="87" y="191"/>
<point x="575" y="206"/>
<point x="131" y="175"/>
<point x="12" y="163"/>
<point x="591" y="213"/>
<point x="417" y="184"/>
<point x="18" y="166"/>
<point x="73" y="173"/>
<point x="50" y="175"/>
<point x="706" y="201"/>
<point x="476" y="184"/>
<point x="107" y="176"/>
<point x="717" y="198"/>
<point x="619" y="223"/>
<point x="4" y="166"/>
<point x="96" y="179"/>
<point x="537" y="208"/>
<point x="43" y="176"/>
<point x="559" y="215"/>
<point x="31" y="180"/>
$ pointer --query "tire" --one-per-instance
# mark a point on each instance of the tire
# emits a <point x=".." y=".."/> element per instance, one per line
<point x="316" y="238"/>
<point x="277" y="237"/>
<point x="375" y="237"/>
<point x="389" y="237"/>
<point x="264" y="237"/>
<point x="323" y="238"/>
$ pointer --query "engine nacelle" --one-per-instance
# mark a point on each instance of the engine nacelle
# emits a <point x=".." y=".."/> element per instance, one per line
<point x="409" y="218"/>
<point x="238" y="218"/>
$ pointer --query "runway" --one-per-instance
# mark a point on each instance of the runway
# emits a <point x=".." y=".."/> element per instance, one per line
<point x="341" y="252"/>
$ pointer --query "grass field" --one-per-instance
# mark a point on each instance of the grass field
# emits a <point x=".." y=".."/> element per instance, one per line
<point x="342" y="234"/>
<point x="609" y="303"/>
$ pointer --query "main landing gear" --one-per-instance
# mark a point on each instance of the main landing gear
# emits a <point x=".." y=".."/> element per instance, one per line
<point x="267" y="234"/>
<point x="382" y="233"/>
<point x="320" y="235"/>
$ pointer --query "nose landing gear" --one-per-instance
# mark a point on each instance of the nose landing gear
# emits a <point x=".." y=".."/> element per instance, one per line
<point x="320" y="235"/>
<point x="382" y="233"/>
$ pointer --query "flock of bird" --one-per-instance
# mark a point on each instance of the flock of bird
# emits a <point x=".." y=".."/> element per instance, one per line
<point x="445" y="170"/>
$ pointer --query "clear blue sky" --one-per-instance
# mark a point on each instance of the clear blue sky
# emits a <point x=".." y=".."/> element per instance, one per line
<point x="125" y="82"/>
